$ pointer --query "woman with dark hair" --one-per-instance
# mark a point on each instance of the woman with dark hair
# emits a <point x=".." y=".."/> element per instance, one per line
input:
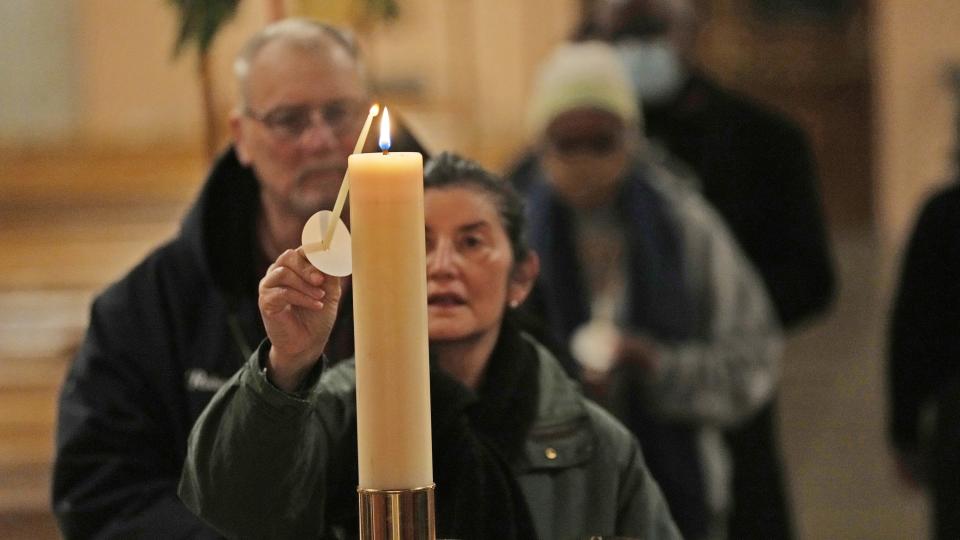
<point x="519" y="453"/>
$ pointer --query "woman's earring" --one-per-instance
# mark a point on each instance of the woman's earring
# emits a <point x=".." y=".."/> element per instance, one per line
<point x="514" y="304"/>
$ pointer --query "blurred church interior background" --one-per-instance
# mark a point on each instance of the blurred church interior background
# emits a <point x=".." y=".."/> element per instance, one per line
<point x="103" y="145"/>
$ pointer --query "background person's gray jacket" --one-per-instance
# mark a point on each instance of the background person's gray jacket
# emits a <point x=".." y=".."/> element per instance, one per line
<point x="261" y="462"/>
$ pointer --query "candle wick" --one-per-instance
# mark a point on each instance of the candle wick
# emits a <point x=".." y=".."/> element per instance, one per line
<point x="386" y="152"/>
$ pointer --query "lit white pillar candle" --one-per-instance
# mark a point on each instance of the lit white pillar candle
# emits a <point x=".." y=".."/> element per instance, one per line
<point x="390" y="318"/>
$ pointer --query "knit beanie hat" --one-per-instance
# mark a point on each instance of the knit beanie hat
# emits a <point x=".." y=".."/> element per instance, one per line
<point x="578" y="75"/>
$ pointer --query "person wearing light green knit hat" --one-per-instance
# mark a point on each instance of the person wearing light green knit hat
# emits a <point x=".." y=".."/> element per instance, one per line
<point x="584" y="118"/>
<point x="671" y="326"/>
<point x="586" y="74"/>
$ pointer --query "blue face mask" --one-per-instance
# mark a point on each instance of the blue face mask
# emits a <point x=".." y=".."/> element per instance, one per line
<point x="654" y="67"/>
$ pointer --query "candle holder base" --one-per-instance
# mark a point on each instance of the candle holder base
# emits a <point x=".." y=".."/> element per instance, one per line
<point x="397" y="514"/>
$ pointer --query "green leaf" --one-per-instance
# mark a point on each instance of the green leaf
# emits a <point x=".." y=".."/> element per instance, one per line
<point x="383" y="9"/>
<point x="200" y="20"/>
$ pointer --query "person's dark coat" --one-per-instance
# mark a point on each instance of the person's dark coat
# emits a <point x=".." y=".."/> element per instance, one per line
<point x="757" y="170"/>
<point x="924" y="355"/>
<point x="160" y="343"/>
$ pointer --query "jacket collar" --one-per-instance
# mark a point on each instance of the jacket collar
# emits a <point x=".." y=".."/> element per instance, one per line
<point x="562" y="435"/>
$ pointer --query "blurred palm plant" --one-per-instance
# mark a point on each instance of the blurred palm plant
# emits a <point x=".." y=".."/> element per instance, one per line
<point x="199" y="22"/>
<point x="382" y="9"/>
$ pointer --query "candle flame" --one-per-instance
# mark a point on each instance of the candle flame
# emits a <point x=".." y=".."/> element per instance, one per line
<point x="385" y="130"/>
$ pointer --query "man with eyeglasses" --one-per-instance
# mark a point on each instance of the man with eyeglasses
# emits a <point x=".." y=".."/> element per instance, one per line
<point x="165" y="337"/>
<point x="671" y="325"/>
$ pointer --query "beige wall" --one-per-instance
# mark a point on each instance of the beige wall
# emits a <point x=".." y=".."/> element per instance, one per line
<point x="102" y="73"/>
<point x="37" y="72"/>
<point x="133" y="92"/>
<point x="914" y="109"/>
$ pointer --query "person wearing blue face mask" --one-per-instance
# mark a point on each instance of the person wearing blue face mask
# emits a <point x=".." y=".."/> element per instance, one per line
<point x="756" y="169"/>
<point x="654" y="39"/>
<point x="655" y="68"/>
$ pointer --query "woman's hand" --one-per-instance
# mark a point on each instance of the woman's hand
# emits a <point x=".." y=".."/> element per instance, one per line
<point x="298" y="304"/>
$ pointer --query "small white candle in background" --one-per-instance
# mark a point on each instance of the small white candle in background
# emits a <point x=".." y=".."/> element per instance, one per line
<point x="329" y="256"/>
<point x="345" y="184"/>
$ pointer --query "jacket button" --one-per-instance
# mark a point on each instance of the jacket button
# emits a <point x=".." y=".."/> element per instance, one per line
<point x="550" y="453"/>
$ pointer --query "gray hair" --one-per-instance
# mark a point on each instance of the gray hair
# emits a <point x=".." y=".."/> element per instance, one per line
<point x="304" y="34"/>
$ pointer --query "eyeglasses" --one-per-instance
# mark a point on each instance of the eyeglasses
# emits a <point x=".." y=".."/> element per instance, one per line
<point x="290" y="122"/>
<point x="600" y="144"/>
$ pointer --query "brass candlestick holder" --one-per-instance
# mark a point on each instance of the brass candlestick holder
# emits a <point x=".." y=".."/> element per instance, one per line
<point x="397" y="514"/>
